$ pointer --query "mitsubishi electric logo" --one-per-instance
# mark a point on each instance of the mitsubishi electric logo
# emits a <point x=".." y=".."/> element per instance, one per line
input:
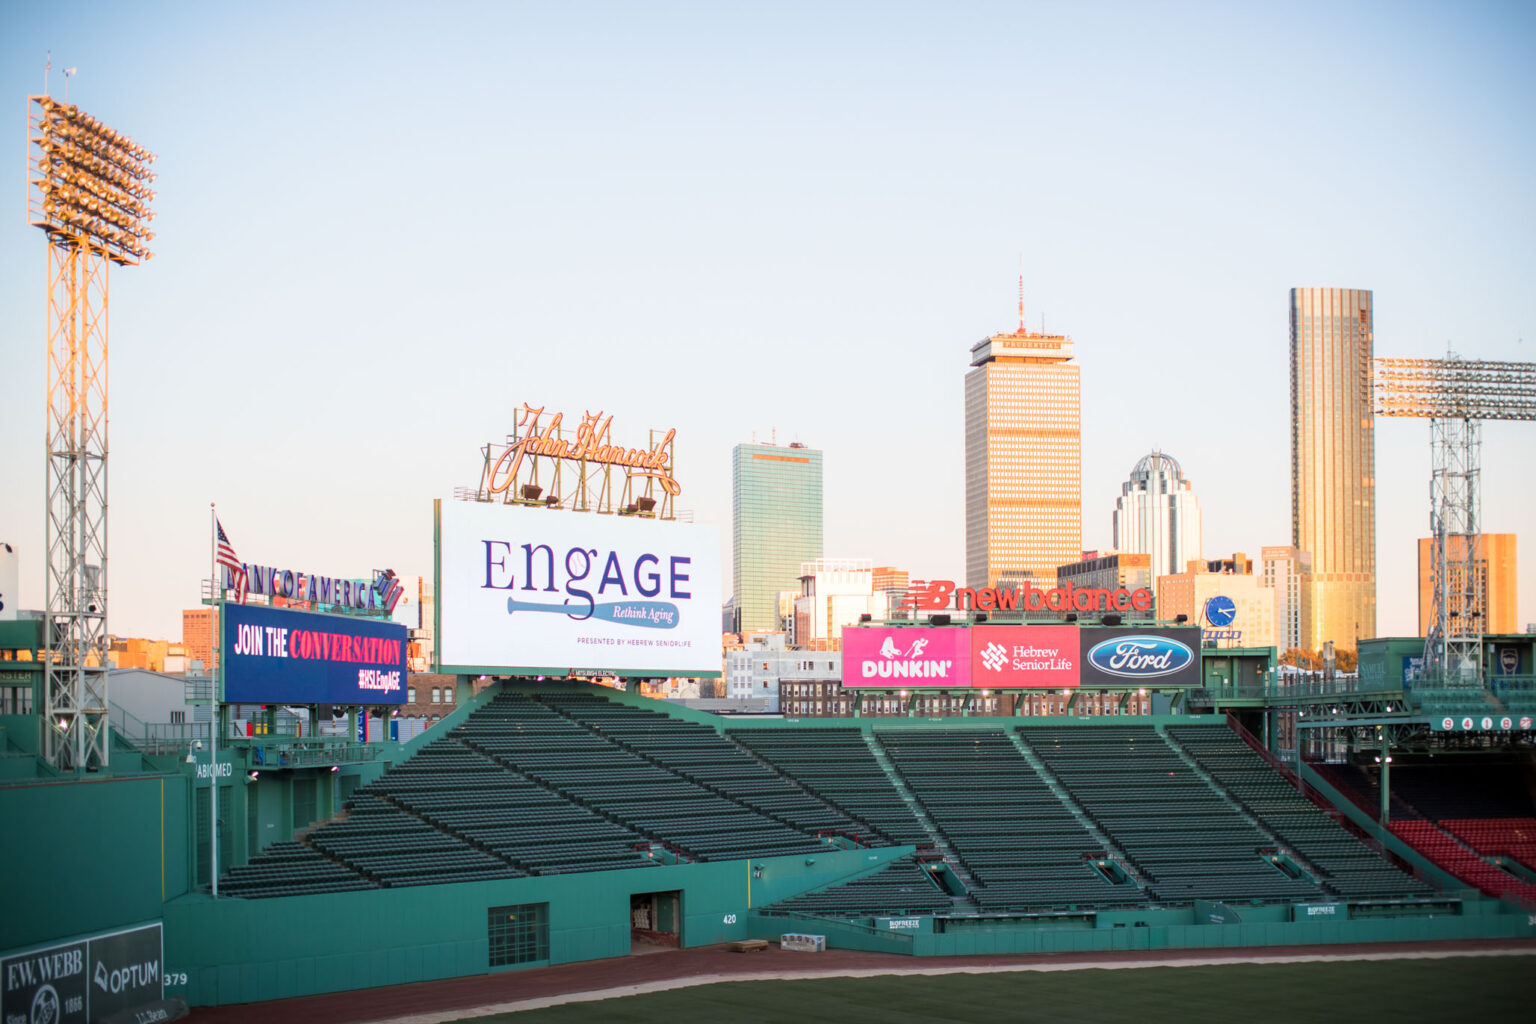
<point x="994" y="656"/>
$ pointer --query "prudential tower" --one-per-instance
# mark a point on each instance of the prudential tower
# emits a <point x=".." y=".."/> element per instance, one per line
<point x="1023" y="459"/>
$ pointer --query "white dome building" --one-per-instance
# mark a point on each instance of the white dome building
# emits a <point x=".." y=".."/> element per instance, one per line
<point x="1158" y="514"/>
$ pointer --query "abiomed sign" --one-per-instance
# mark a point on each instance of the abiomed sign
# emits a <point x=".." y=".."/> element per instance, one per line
<point x="526" y="590"/>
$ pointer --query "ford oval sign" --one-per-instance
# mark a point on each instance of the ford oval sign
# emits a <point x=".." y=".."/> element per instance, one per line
<point x="1140" y="657"/>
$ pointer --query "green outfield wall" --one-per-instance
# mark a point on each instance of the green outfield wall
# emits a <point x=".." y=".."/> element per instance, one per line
<point x="236" y="951"/>
<point x="89" y="856"/>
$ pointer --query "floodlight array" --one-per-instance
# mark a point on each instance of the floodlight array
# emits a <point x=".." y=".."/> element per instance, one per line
<point x="90" y="181"/>
<point x="1456" y="389"/>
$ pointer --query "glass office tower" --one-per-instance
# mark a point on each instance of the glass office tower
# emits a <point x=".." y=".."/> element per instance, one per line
<point x="775" y="525"/>
<point x="1333" y="462"/>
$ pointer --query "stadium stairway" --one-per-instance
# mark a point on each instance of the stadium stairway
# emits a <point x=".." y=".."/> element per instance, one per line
<point x="935" y="834"/>
<point x="1021" y="845"/>
<point x="900" y="888"/>
<point x="1111" y="848"/>
<point x="1312" y="835"/>
<point x="1313" y="873"/>
<point x="1184" y="839"/>
<point x="838" y="766"/>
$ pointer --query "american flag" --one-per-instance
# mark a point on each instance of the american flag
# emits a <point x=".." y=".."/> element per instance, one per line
<point x="224" y="554"/>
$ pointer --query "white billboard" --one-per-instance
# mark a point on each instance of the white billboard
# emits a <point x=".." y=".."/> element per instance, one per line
<point x="541" y="590"/>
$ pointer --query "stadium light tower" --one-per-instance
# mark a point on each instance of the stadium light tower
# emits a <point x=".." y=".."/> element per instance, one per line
<point x="89" y="190"/>
<point x="1455" y="395"/>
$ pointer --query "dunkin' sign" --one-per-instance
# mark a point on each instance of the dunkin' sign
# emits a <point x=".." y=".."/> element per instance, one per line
<point x="917" y="656"/>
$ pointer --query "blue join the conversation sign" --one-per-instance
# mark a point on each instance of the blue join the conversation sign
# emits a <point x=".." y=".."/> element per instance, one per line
<point x="277" y="656"/>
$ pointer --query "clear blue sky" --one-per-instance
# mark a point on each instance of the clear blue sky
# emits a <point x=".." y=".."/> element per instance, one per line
<point x="383" y="226"/>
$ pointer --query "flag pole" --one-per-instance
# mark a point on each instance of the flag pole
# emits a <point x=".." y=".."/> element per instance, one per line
<point x="215" y="621"/>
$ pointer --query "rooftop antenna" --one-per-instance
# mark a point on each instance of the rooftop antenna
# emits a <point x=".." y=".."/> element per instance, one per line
<point x="68" y="74"/>
<point x="1021" y="293"/>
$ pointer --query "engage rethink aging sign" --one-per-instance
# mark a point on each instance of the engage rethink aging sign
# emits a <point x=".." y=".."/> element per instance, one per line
<point x="547" y="589"/>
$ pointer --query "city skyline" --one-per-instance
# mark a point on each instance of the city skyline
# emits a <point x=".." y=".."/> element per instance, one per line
<point x="287" y="354"/>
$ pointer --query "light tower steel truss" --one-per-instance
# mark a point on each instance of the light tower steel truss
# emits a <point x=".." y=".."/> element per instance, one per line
<point x="1456" y="395"/>
<point x="90" y="194"/>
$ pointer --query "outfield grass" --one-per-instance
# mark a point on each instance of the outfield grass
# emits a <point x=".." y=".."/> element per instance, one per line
<point x="1483" y="989"/>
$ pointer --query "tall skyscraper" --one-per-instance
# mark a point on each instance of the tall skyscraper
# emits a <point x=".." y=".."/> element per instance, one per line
<point x="775" y="526"/>
<point x="1333" y="461"/>
<point x="1023" y="459"/>
<point x="1492" y="599"/>
<point x="1158" y="514"/>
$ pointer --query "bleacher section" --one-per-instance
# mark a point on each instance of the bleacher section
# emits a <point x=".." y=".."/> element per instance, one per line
<point x="395" y="848"/>
<point x="1514" y="838"/>
<point x="1346" y="866"/>
<point x="708" y="758"/>
<point x="529" y="737"/>
<point x="563" y="781"/>
<point x="838" y="766"/>
<point x="291" y="869"/>
<point x="1444" y="850"/>
<point x="1181" y="835"/>
<point x="469" y="794"/>
<point x="902" y="888"/>
<point x="1019" y="842"/>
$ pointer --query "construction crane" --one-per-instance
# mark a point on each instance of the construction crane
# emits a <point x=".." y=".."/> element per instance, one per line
<point x="1455" y="395"/>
